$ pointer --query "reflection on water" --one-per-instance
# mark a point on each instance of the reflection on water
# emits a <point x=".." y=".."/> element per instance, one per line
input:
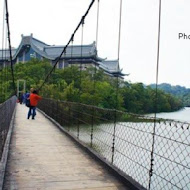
<point x="181" y="115"/>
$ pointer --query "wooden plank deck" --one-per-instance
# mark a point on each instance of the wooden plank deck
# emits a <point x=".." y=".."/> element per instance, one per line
<point x="42" y="157"/>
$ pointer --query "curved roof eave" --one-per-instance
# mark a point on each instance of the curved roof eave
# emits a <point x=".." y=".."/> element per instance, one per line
<point x="100" y="59"/>
<point x="18" y="50"/>
<point x="42" y="53"/>
<point x="113" y="72"/>
<point x="76" y="52"/>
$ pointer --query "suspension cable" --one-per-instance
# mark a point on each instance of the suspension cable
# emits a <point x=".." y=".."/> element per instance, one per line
<point x="82" y="30"/>
<point x="71" y="38"/>
<point x="2" y="66"/>
<point x="10" y="50"/>
<point x="94" y="75"/>
<point x="6" y="66"/>
<point x="119" y="37"/>
<point x="118" y="58"/>
<point x="97" y="22"/>
<point x="117" y="82"/>
<point x="71" y="58"/>
<point x="72" y="50"/>
<point x="3" y="31"/>
<point x="97" y="32"/>
<point x="156" y="94"/>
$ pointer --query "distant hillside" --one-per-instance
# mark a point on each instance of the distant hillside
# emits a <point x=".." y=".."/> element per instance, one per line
<point x="180" y="91"/>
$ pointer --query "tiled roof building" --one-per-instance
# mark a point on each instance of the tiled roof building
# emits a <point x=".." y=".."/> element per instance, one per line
<point x="33" y="48"/>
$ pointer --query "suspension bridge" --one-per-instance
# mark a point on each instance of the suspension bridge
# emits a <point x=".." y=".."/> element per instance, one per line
<point x="71" y="145"/>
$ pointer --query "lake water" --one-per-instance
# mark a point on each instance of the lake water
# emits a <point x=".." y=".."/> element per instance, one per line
<point x="133" y="146"/>
<point x="181" y="115"/>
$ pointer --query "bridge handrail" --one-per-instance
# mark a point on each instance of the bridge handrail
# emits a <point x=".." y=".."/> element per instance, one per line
<point x="6" y="112"/>
<point x="127" y="144"/>
<point x="122" y="112"/>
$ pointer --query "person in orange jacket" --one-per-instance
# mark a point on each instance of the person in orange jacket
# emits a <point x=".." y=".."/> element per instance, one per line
<point x="34" y="99"/>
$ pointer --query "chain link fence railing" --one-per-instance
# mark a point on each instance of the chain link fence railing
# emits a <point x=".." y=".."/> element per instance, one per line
<point x="155" y="153"/>
<point x="6" y="112"/>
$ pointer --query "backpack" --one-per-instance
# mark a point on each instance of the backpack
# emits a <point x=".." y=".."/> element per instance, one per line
<point x="28" y="102"/>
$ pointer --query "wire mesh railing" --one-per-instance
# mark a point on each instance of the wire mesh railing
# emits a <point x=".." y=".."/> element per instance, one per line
<point x="127" y="143"/>
<point x="6" y="112"/>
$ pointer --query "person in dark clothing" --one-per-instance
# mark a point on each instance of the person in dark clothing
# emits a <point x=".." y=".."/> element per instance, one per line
<point x="21" y="98"/>
<point x="25" y="96"/>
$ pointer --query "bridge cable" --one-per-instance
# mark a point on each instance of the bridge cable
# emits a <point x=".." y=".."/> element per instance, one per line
<point x="97" y="23"/>
<point x="71" y="61"/>
<point x="94" y="75"/>
<point x="71" y="38"/>
<point x="80" y="79"/>
<point x="117" y="81"/>
<point x="10" y="50"/>
<point x="156" y="93"/>
<point x="6" y="66"/>
<point x="4" y="55"/>
<point x="72" y="50"/>
<point x="82" y="34"/>
<point x="2" y="66"/>
<point x="97" y="32"/>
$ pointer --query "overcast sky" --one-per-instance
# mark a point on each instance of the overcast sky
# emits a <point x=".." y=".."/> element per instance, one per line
<point x="53" y="21"/>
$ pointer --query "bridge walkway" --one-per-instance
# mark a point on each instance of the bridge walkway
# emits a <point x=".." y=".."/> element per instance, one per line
<point x="42" y="157"/>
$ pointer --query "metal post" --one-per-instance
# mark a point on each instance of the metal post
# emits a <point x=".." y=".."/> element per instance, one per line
<point x="113" y="143"/>
<point x="92" y="128"/>
<point x="78" y="130"/>
<point x="57" y="112"/>
<point x="69" y="123"/>
<point x="78" y="125"/>
<point x="156" y="98"/>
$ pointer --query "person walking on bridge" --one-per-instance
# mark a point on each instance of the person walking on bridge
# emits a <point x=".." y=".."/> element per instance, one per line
<point x="34" y="99"/>
<point x="27" y="95"/>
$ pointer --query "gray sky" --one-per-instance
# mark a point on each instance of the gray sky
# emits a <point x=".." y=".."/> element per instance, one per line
<point x="53" y="21"/>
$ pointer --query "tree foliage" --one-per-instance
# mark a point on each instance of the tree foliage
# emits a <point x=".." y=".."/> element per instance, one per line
<point x="91" y="87"/>
<point x="178" y="91"/>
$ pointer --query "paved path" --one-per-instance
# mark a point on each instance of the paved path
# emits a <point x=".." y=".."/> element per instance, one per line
<point x="42" y="157"/>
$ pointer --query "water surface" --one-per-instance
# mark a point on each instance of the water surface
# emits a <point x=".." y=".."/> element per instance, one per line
<point x="181" y="115"/>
